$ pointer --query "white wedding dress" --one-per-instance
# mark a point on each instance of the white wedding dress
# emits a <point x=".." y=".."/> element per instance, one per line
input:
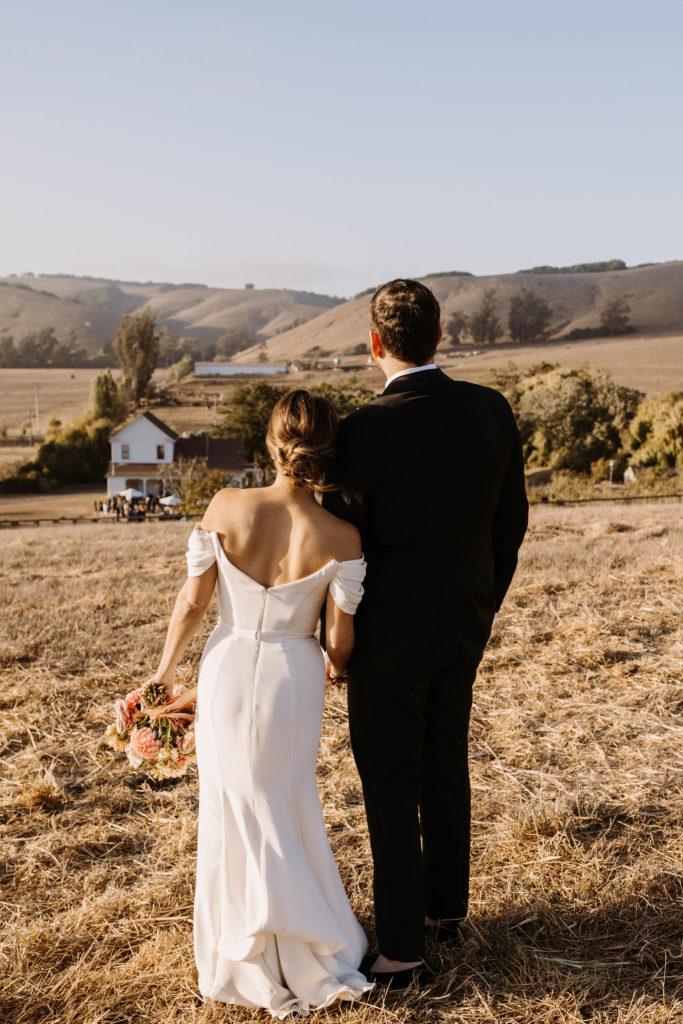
<point x="272" y="924"/>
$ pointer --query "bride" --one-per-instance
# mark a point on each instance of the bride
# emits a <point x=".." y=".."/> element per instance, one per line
<point x="273" y="927"/>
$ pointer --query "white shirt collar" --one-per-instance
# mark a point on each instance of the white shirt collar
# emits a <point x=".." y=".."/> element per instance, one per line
<point x="407" y="371"/>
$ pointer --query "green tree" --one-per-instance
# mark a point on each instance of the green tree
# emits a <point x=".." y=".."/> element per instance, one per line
<point x="136" y="344"/>
<point x="183" y="368"/>
<point x="485" y="326"/>
<point x="194" y="483"/>
<point x="361" y="348"/>
<point x="106" y="401"/>
<point x="245" y="413"/>
<point x="655" y="434"/>
<point x="346" y="397"/>
<point x="75" y="454"/>
<point x="8" y="353"/>
<point x="233" y="341"/>
<point x="529" y="317"/>
<point x="615" y="318"/>
<point x="457" y="327"/>
<point x="38" y="347"/>
<point x="571" y="418"/>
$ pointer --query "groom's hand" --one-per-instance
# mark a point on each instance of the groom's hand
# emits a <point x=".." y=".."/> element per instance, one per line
<point x="334" y="678"/>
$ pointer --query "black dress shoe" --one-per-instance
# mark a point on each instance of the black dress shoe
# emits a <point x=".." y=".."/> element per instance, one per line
<point x="446" y="933"/>
<point x="401" y="979"/>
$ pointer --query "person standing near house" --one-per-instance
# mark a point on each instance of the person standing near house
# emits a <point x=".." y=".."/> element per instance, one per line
<point x="434" y="477"/>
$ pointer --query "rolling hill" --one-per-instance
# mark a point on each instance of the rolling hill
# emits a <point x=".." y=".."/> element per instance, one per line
<point x="92" y="308"/>
<point x="655" y="295"/>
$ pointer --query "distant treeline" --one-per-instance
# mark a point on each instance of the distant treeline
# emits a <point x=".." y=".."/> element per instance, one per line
<point x="529" y="320"/>
<point x="578" y="268"/>
<point x="43" y="349"/>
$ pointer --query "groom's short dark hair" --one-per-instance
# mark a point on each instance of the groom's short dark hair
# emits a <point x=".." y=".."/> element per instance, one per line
<point x="406" y="316"/>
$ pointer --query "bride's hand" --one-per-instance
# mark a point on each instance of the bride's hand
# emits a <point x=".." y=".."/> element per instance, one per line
<point x="166" y="679"/>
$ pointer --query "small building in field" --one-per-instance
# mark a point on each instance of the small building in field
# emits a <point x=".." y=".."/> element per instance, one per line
<point x="142" y="447"/>
<point x="238" y="369"/>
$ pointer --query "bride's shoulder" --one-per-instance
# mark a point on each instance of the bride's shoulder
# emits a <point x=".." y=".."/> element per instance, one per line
<point x="343" y="538"/>
<point x="222" y="501"/>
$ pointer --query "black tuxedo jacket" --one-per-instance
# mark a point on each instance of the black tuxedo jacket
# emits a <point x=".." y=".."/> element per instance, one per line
<point x="434" y="477"/>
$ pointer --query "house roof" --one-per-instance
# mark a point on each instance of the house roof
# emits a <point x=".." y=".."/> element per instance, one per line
<point x="151" y="418"/>
<point x="220" y="453"/>
<point x="161" y="425"/>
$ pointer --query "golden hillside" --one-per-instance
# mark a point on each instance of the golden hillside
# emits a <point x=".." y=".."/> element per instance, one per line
<point x="92" y="307"/>
<point x="655" y="297"/>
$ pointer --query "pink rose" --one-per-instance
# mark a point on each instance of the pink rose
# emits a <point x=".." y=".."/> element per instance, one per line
<point x="186" y="742"/>
<point x="132" y="699"/>
<point x="144" y="744"/>
<point x="123" y="718"/>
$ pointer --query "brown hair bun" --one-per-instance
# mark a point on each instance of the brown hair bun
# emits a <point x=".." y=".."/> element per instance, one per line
<point x="301" y="438"/>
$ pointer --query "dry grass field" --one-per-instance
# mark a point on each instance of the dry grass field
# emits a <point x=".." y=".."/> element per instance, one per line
<point x="576" y="759"/>
<point x="650" y="364"/>
<point x="61" y="393"/>
<point x="65" y="502"/>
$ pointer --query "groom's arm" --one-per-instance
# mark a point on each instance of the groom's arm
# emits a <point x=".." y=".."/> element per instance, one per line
<point x="348" y="502"/>
<point x="511" y="518"/>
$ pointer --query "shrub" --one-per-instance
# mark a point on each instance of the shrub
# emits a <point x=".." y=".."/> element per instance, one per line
<point x="75" y="454"/>
<point x="655" y="434"/>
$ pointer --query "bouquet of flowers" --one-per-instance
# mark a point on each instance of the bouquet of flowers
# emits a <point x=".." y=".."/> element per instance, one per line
<point x="154" y="730"/>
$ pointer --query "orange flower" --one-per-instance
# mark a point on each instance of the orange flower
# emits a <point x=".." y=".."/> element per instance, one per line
<point x="133" y="698"/>
<point x="144" y="745"/>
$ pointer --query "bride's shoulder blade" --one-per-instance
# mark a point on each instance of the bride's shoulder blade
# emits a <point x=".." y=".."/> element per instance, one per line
<point x="343" y="538"/>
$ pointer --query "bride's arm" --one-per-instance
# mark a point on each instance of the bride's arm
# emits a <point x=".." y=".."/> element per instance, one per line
<point x="339" y="639"/>
<point x="191" y="604"/>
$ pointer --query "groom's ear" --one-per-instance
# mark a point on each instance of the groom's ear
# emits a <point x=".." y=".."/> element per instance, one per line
<point x="376" y="345"/>
<point x="438" y="342"/>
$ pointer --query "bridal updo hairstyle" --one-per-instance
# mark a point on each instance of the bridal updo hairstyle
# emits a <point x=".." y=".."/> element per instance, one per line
<point x="406" y="316"/>
<point x="301" y="439"/>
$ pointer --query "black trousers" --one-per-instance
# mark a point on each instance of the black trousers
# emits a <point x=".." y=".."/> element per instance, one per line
<point x="409" y="738"/>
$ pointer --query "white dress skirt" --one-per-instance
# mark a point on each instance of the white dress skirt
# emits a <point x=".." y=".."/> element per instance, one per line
<point x="273" y="926"/>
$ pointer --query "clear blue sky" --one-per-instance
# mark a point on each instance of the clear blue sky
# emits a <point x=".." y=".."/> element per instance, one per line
<point x="332" y="146"/>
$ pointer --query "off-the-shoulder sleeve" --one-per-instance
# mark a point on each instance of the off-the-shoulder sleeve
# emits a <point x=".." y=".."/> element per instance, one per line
<point x="200" y="552"/>
<point x="346" y="587"/>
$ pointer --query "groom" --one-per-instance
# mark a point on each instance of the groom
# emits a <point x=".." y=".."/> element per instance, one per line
<point x="434" y="470"/>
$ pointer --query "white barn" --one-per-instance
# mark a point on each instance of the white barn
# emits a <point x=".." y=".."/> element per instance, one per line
<point x="141" y="448"/>
<point x="238" y="369"/>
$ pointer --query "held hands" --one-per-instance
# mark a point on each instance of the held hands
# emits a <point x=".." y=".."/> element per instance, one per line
<point x="334" y="678"/>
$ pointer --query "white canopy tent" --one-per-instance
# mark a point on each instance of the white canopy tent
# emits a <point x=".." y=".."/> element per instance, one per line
<point x="170" y="500"/>
<point x="130" y="493"/>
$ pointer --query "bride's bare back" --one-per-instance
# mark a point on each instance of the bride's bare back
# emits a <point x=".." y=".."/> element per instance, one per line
<point x="278" y="534"/>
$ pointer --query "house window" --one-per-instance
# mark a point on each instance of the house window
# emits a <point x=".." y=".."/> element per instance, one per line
<point x="160" y="451"/>
<point x="125" y="451"/>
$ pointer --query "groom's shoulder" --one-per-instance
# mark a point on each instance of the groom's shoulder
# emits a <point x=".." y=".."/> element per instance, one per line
<point x="480" y="394"/>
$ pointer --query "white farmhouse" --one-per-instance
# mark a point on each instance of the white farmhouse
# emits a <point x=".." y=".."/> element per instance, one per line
<point x="141" y="448"/>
